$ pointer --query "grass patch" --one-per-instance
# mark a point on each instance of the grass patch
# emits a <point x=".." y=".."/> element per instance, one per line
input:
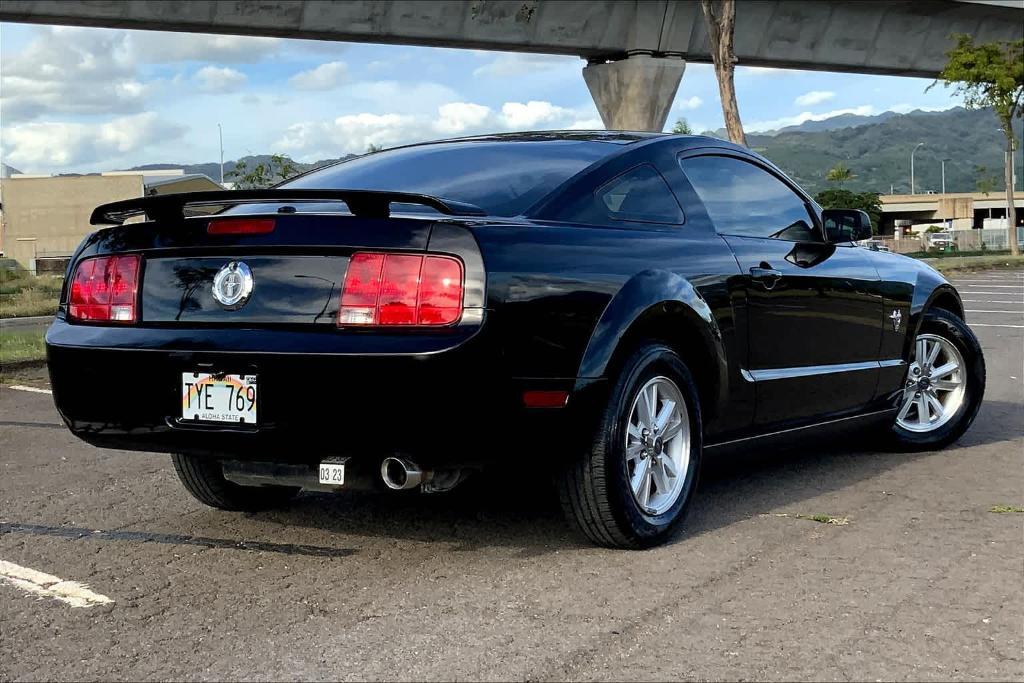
<point x="23" y="294"/>
<point x="1002" y="509"/>
<point x="969" y="263"/>
<point x="22" y="346"/>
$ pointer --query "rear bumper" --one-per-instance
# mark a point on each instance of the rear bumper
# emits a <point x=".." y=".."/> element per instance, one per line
<point x="441" y="400"/>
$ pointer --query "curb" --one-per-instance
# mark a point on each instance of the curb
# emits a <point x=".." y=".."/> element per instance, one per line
<point x="22" y="365"/>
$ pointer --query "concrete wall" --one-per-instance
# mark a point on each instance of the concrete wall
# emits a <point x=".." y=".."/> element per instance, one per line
<point x="55" y="211"/>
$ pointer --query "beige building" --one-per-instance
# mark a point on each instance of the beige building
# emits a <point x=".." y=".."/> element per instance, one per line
<point x="46" y="217"/>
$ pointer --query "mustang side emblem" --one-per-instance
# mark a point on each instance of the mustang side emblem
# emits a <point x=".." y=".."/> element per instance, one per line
<point x="232" y="285"/>
<point x="897" y="318"/>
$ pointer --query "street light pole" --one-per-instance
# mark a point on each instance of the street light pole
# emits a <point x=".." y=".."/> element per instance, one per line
<point x="944" y="175"/>
<point x="220" y="134"/>
<point x="912" y="168"/>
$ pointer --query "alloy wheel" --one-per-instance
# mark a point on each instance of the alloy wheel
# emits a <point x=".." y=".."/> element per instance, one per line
<point x="657" y="445"/>
<point x="935" y="385"/>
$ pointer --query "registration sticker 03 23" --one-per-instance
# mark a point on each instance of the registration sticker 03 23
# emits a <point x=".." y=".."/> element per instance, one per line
<point x="210" y="397"/>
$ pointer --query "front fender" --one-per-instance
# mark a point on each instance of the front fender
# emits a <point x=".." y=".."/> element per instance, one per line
<point x="657" y="295"/>
<point x="930" y="289"/>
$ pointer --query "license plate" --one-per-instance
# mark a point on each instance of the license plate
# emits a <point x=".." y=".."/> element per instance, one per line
<point x="332" y="472"/>
<point x="207" y="397"/>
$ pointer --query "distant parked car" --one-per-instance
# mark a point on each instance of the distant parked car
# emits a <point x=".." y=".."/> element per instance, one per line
<point x="874" y="245"/>
<point x="600" y="309"/>
<point x="940" y="240"/>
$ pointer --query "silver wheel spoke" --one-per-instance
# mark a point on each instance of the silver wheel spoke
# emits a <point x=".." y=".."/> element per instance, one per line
<point x="660" y="480"/>
<point x="670" y="467"/>
<point x="945" y="385"/>
<point x="672" y="430"/>
<point x="922" y="409"/>
<point x="940" y="372"/>
<point x="634" y="431"/>
<point x="908" y="402"/>
<point x="667" y="409"/>
<point x="934" y="402"/>
<point x="921" y="352"/>
<point x="640" y="474"/>
<point x="933" y="354"/>
<point x="633" y="452"/>
<point x="644" y="410"/>
<point x="644" y="494"/>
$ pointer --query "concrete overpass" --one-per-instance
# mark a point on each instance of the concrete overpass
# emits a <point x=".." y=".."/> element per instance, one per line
<point x="955" y="210"/>
<point x="636" y="49"/>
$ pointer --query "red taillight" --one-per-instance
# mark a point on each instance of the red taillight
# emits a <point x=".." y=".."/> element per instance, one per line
<point x="104" y="289"/>
<point x="401" y="289"/>
<point x="240" y="226"/>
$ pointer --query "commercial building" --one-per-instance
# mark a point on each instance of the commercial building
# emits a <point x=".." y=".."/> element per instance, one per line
<point x="44" y="218"/>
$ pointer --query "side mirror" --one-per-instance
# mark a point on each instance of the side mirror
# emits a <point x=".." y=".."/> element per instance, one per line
<point x="846" y="225"/>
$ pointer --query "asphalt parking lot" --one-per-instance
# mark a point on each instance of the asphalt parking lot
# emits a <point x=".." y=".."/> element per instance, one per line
<point x="919" y="579"/>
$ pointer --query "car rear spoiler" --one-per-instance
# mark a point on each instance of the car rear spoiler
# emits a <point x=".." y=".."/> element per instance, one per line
<point x="367" y="203"/>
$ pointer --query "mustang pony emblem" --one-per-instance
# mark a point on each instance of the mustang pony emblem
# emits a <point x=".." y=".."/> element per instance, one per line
<point x="232" y="285"/>
<point x="897" y="318"/>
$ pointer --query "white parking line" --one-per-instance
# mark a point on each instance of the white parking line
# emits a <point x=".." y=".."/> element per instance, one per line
<point x="993" y="301"/>
<point x="970" y="324"/>
<point x="49" y="586"/>
<point x="992" y="286"/>
<point x="974" y="291"/>
<point x="34" y="390"/>
<point x="980" y="311"/>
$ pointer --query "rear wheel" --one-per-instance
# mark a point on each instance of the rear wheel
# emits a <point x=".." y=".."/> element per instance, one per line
<point x="204" y="479"/>
<point x="633" y="486"/>
<point x="945" y="384"/>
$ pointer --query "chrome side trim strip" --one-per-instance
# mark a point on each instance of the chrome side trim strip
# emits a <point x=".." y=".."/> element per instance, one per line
<point x="799" y="429"/>
<point x="812" y="370"/>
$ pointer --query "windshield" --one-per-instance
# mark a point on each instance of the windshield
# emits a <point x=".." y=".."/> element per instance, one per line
<point x="502" y="177"/>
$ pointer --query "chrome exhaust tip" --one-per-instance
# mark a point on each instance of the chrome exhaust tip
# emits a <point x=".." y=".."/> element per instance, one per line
<point x="400" y="474"/>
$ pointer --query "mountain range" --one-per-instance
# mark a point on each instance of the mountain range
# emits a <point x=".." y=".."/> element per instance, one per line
<point x="876" y="148"/>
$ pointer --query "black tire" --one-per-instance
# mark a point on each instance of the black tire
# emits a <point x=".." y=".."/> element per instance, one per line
<point x="204" y="479"/>
<point x="944" y="324"/>
<point x="595" y="489"/>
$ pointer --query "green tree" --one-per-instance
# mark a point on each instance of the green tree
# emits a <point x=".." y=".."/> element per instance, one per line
<point x="262" y="175"/>
<point x="984" y="181"/>
<point x="991" y="75"/>
<point x="869" y="202"/>
<point x="839" y="174"/>
<point x="371" y="148"/>
<point x="682" y="127"/>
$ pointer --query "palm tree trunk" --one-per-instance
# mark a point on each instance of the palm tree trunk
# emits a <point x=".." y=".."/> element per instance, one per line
<point x="720" y="19"/>
<point x="1011" y="212"/>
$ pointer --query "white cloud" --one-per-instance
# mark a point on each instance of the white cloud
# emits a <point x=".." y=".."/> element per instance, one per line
<point x="324" y="77"/>
<point x="458" y="117"/>
<point x="533" y="114"/>
<point x="67" y="144"/>
<point x="219" y="79"/>
<point x="809" y="99"/>
<point x="354" y="133"/>
<point x="775" y="124"/>
<point x="521" y="64"/>
<point x="689" y="103"/>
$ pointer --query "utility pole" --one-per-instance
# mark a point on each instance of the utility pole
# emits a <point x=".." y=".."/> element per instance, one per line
<point x="912" y="168"/>
<point x="220" y="134"/>
<point x="944" y="175"/>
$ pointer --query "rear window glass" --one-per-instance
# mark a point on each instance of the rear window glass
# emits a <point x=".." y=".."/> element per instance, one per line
<point x="503" y="178"/>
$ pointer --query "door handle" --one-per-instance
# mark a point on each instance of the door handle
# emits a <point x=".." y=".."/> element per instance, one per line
<point x="766" y="275"/>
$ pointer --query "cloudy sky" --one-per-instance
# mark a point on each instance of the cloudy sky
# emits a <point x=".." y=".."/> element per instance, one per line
<point x="84" y="99"/>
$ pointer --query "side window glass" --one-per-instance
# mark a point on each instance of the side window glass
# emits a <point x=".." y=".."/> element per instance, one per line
<point x="642" y="195"/>
<point x="639" y="195"/>
<point x="743" y="199"/>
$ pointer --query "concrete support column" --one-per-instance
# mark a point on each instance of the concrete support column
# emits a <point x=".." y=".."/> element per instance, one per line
<point x="635" y="93"/>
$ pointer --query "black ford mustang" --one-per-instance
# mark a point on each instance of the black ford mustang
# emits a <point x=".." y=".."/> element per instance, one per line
<point x="612" y="305"/>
